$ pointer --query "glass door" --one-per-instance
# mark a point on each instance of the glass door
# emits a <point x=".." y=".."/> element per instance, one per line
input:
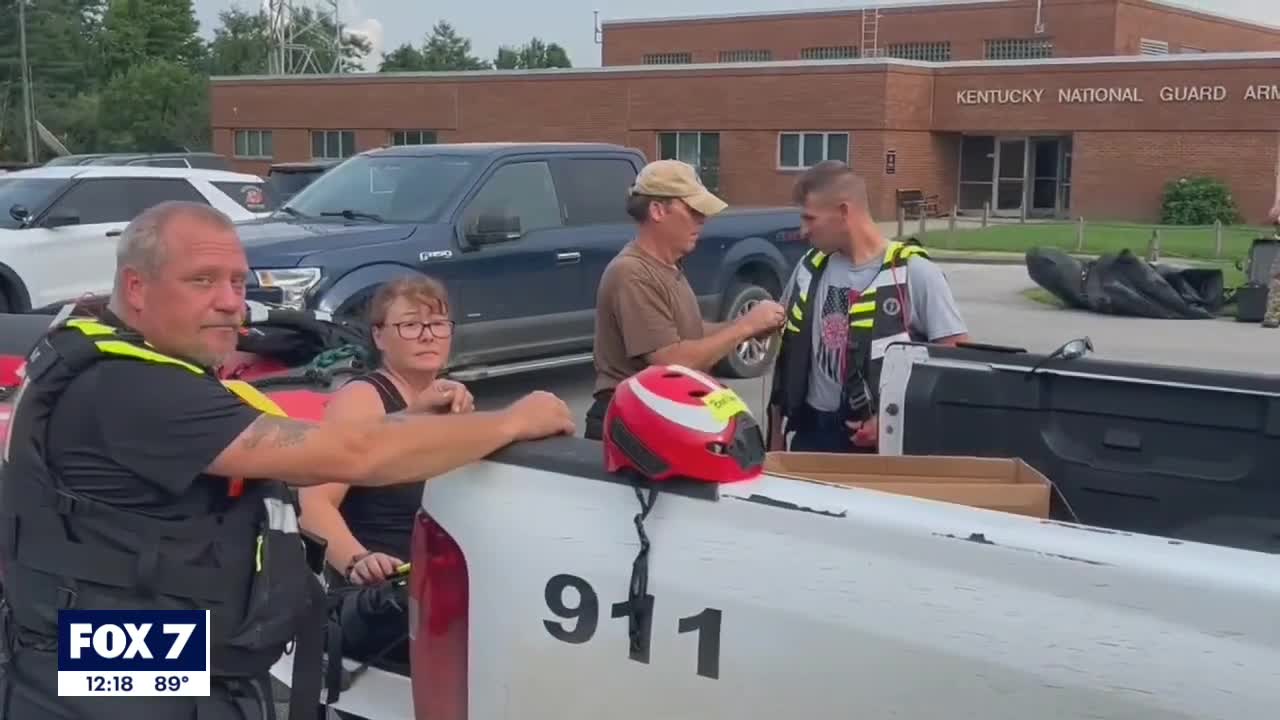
<point x="1046" y="155"/>
<point x="1011" y="176"/>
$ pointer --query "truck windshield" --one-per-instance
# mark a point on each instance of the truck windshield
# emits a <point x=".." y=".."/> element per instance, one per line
<point x="392" y="188"/>
<point x="30" y="194"/>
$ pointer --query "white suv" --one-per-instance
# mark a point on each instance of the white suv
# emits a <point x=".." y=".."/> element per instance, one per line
<point x="59" y="224"/>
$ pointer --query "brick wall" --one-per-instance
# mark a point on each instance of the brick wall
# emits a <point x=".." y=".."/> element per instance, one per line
<point x="1122" y="174"/>
<point x="914" y="111"/>
<point x="1078" y="28"/>
<point x="1138" y="19"/>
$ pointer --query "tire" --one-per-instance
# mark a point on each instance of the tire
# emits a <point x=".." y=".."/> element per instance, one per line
<point x="752" y="358"/>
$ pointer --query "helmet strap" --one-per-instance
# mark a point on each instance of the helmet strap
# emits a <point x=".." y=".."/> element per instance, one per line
<point x="639" y="605"/>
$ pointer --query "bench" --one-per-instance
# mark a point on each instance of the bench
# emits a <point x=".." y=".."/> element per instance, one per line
<point x="914" y="202"/>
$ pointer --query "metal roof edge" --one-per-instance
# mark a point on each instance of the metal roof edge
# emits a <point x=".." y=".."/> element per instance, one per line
<point x="890" y="63"/>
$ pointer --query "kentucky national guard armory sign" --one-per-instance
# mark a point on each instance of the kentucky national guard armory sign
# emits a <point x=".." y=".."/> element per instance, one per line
<point x="1129" y="94"/>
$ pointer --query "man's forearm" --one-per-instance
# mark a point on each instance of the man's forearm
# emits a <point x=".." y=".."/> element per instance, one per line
<point x="390" y="450"/>
<point x="703" y="353"/>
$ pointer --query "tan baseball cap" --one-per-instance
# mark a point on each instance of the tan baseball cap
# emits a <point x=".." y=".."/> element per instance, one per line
<point x="675" y="179"/>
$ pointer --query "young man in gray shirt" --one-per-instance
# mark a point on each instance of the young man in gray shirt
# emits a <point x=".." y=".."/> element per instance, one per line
<point x="852" y="295"/>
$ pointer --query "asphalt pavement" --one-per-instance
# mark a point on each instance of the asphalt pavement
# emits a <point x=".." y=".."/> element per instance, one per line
<point x="992" y="302"/>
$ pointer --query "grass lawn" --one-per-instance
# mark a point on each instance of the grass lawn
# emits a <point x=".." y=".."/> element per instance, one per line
<point x="1191" y="243"/>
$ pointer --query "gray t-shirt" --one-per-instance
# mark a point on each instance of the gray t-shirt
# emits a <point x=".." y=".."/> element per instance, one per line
<point x="934" y="314"/>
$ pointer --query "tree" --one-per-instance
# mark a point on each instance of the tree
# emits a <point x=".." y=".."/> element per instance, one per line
<point x="156" y="106"/>
<point x="532" y="55"/>
<point x="405" y="58"/>
<point x="242" y="45"/>
<point x="135" y="31"/>
<point x="443" y="50"/>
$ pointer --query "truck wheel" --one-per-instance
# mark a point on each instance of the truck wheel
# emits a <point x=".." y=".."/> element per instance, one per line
<point x="753" y="357"/>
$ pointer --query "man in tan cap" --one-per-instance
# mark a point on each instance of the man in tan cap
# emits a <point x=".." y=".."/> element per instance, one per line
<point x="646" y="312"/>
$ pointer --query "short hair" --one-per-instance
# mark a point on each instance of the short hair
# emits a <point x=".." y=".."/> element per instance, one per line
<point x="638" y="206"/>
<point x="831" y="177"/>
<point x="142" y="245"/>
<point x="414" y="288"/>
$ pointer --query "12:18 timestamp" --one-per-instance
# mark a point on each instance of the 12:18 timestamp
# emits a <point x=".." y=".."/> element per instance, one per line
<point x="109" y="683"/>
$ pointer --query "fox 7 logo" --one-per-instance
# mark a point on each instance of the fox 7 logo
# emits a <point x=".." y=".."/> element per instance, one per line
<point x="101" y="640"/>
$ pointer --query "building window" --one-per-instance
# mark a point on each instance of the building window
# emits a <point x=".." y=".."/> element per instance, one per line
<point x="253" y="144"/>
<point x="1019" y="49"/>
<point x="699" y="149"/>
<point x="676" y="58"/>
<point x="835" y="52"/>
<point x="1153" y="47"/>
<point x="738" y="56"/>
<point x="926" y="51"/>
<point x="333" y="144"/>
<point x="413" y="137"/>
<point x="799" y="150"/>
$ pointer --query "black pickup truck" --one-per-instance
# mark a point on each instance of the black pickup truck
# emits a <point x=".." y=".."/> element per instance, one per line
<point x="519" y="233"/>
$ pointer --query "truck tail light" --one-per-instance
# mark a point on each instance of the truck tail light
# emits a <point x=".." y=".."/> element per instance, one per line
<point x="439" y="611"/>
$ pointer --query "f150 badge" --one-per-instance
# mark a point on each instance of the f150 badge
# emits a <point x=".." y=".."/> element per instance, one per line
<point x="434" y="255"/>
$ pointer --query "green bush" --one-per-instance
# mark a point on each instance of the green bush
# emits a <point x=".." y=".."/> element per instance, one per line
<point x="1198" y="201"/>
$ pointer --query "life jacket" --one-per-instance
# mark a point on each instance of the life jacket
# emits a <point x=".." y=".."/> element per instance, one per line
<point x="879" y="317"/>
<point x="245" y="562"/>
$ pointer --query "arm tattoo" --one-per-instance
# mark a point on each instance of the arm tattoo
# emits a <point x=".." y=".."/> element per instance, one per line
<point x="277" y="431"/>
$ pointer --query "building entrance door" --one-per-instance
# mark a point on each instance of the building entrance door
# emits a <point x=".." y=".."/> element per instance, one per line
<point x="1011" y="176"/>
<point x="1046" y="176"/>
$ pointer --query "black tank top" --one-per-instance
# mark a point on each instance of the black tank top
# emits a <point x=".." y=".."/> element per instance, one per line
<point x="382" y="518"/>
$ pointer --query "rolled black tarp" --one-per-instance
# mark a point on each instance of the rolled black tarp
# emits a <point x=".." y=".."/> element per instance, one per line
<point x="1124" y="284"/>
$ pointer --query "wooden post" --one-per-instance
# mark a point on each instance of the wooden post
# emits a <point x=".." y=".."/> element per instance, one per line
<point x="986" y="212"/>
<point x="924" y="224"/>
<point x="902" y="222"/>
<point x="1080" y="234"/>
<point x="1217" y="238"/>
<point x="951" y="223"/>
<point x="1153" y="246"/>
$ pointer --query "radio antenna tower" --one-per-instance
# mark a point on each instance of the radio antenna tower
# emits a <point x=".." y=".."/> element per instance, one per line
<point x="296" y="35"/>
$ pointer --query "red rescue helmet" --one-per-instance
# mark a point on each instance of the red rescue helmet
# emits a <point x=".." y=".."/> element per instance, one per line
<point x="668" y="421"/>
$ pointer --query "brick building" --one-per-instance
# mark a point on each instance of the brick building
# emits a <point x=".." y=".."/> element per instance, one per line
<point x="1092" y="106"/>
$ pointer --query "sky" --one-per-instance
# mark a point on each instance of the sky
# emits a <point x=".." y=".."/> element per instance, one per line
<point x="490" y="23"/>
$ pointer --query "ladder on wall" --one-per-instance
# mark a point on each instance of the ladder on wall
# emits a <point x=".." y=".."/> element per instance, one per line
<point x="870" y="32"/>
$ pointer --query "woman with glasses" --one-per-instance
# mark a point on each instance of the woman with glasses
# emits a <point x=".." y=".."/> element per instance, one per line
<point x="368" y="530"/>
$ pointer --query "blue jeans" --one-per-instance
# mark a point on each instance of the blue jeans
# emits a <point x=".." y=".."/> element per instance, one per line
<point x="817" y="431"/>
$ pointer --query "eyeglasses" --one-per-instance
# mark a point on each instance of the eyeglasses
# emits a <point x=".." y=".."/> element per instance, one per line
<point x="414" y="329"/>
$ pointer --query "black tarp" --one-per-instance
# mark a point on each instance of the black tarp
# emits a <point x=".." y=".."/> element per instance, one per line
<point x="1125" y="284"/>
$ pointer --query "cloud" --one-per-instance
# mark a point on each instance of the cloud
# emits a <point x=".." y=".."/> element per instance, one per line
<point x="371" y="29"/>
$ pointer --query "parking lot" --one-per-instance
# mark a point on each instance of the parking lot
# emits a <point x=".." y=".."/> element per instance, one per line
<point x="991" y="299"/>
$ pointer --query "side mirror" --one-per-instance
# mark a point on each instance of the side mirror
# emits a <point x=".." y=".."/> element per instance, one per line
<point x="61" y="218"/>
<point x="494" y="227"/>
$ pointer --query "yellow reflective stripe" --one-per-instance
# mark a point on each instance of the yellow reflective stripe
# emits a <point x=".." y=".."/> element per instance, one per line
<point x="861" y="323"/>
<point x="795" y="313"/>
<point x="120" y="347"/>
<point x="254" y="397"/>
<point x="258" y="555"/>
<point x="792" y="326"/>
<point x="91" y="327"/>
<point x="862" y="307"/>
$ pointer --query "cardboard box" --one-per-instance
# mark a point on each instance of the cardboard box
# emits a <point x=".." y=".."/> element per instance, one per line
<point x="1007" y="485"/>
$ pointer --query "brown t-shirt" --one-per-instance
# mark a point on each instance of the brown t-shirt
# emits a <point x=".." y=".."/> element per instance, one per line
<point x="642" y="305"/>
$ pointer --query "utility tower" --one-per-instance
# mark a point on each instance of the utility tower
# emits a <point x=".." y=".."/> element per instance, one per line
<point x="295" y="37"/>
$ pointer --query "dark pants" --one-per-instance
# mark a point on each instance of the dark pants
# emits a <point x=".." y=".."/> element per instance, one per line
<point x="29" y="691"/>
<point x="594" y="429"/>
<point x="817" y="431"/>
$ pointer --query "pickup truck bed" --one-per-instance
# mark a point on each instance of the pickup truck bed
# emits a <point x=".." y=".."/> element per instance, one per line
<point x="781" y="598"/>
<point x="1180" y="452"/>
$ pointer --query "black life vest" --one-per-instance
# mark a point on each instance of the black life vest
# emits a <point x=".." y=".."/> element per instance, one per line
<point x="246" y="562"/>
<point x="878" y="318"/>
